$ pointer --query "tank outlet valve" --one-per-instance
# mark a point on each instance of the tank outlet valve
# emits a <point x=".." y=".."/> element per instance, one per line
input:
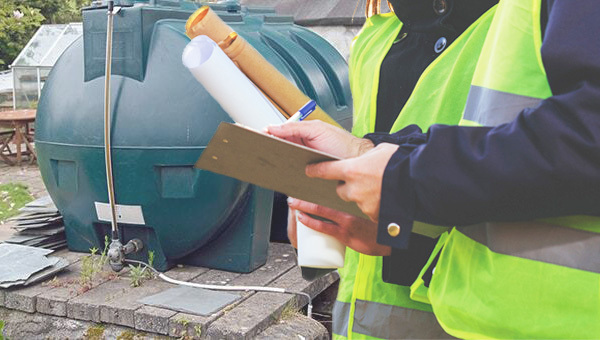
<point x="117" y="252"/>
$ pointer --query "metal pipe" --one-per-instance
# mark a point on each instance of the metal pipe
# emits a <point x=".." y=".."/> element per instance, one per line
<point x="107" y="123"/>
<point x="116" y="250"/>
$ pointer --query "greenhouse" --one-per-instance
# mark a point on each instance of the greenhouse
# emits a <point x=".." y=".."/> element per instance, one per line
<point x="33" y="64"/>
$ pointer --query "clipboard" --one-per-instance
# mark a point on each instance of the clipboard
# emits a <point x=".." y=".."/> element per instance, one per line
<point x="272" y="163"/>
<point x="276" y="164"/>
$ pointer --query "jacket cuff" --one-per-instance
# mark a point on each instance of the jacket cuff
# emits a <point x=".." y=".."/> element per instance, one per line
<point x="411" y="134"/>
<point x="397" y="202"/>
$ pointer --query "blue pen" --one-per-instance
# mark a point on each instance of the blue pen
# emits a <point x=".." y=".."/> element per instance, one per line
<point x="304" y="111"/>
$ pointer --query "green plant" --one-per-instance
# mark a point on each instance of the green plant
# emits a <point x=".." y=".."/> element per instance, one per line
<point x="139" y="273"/>
<point x="198" y="330"/>
<point x="18" y="23"/>
<point x="12" y="198"/>
<point x="151" y="258"/>
<point x="92" y="265"/>
<point x="183" y="332"/>
<point x="288" y="312"/>
<point x="95" y="332"/>
<point x="130" y="335"/>
<point x="2" y="330"/>
<point x="19" y="19"/>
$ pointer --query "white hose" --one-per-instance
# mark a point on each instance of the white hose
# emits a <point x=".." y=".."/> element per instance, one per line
<point x="228" y="288"/>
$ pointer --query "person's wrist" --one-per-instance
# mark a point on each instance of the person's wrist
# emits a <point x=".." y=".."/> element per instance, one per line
<point x="362" y="146"/>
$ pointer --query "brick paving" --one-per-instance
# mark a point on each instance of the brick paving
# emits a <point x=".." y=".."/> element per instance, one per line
<point x="255" y="315"/>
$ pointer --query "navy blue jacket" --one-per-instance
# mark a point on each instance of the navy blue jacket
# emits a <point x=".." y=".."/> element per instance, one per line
<point x="545" y="163"/>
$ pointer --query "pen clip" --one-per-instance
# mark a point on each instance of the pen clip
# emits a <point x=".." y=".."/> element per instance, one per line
<point x="307" y="109"/>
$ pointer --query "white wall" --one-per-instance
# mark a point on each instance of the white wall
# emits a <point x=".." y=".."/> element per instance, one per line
<point x="339" y="36"/>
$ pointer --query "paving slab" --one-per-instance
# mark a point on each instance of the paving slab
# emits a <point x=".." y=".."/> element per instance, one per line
<point x="295" y="326"/>
<point x="192" y="300"/>
<point x="261" y="310"/>
<point x="185" y="273"/>
<point x="67" y="286"/>
<point x="153" y="319"/>
<point x="281" y="258"/>
<point x="113" y="302"/>
<point x="184" y="324"/>
<point x="119" y="308"/>
<point x="21" y="325"/>
<point x="23" y="299"/>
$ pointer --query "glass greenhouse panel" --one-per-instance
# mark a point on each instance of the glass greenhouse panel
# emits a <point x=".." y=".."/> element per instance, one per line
<point x="33" y="64"/>
<point x="26" y="87"/>
<point x="36" y="49"/>
<point x="70" y="33"/>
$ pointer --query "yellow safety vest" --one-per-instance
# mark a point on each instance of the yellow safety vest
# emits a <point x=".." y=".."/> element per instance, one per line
<point x="367" y="307"/>
<point x="525" y="280"/>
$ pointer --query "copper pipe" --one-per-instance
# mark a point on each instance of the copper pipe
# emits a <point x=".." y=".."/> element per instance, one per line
<point x="373" y="7"/>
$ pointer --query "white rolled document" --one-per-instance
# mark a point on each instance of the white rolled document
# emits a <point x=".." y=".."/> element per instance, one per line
<point x="229" y="86"/>
<point x="318" y="250"/>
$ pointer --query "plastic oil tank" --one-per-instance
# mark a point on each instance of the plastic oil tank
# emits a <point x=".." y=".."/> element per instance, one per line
<point x="162" y="119"/>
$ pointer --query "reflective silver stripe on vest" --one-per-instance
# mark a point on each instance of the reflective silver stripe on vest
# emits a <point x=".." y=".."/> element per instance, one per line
<point x="386" y="321"/>
<point x="489" y="107"/>
<point x="341" y="315"/>
<point x="540" y="242"/>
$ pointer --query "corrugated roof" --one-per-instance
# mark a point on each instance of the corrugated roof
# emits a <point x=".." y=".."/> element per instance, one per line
<point x="319" y="12"/>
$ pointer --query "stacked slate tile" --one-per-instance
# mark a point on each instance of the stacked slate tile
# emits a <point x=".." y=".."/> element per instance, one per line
<point x="39" y="225"/>
<point x="24" y="265"/>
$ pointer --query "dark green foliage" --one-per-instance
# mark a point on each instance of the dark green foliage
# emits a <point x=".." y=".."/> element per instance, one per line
<point x="19" y="19"/>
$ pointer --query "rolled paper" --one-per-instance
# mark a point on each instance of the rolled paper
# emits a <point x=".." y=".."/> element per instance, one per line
<point x="264" y="75"/>
<point x="236" y="94"/>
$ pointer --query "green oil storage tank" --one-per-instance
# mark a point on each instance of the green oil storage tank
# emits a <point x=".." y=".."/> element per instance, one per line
<point x="162" y="119"/>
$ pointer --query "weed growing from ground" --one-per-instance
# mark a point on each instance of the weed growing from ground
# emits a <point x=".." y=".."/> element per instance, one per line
<point x="139" y="273"/>
<point x="92" y="265"/>
<point x="1" y="330"/>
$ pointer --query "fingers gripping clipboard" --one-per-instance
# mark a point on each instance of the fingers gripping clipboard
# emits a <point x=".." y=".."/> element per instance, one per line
<point x="273" y="163"/>
<point x="276" y="164"/>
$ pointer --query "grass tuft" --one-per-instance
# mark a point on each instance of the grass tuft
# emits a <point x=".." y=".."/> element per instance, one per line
<point x="12" y="198"/>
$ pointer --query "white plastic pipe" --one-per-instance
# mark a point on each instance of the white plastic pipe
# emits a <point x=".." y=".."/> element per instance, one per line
<point x="229" y="86"/>
<point x="226" y="288"/>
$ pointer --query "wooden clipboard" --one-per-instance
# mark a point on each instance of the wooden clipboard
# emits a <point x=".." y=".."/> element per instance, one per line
<point x="276" y="164"/>
<point x="273" y="163"/>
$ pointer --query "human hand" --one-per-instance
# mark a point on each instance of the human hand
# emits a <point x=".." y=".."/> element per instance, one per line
<point x="323" y="137"/>
<point x="353" y="232"/>
<point x="291" y="228"/>
<point x="360" y="178"/>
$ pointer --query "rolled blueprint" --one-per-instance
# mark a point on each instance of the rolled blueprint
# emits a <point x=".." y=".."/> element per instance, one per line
<point x="236" y="94"/>
<point x="266" y="77"/>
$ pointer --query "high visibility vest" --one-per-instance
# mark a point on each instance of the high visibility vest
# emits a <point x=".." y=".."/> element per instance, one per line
<point x="536" y="279"/>
<point x="367" y="307"/>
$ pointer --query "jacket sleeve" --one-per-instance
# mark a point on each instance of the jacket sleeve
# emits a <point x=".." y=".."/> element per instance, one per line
<point x="545" y="163"/>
